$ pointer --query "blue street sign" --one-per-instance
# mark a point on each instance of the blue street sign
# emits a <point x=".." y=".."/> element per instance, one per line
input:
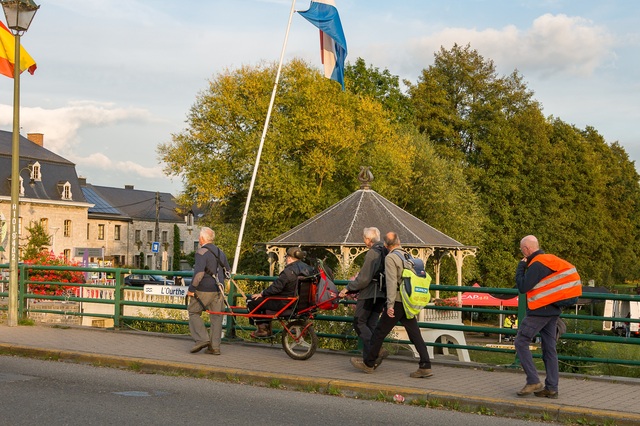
<point x="155" y="247"/>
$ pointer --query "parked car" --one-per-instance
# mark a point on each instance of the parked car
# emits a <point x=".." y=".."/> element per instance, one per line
<point x="139" y="280"/>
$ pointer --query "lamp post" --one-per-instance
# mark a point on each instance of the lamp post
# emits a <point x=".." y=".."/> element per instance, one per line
<point x="19" y="14"/>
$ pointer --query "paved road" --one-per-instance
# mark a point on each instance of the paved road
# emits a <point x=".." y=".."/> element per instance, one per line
<point x="54" y="393"/>
<point x="470" y="387"/>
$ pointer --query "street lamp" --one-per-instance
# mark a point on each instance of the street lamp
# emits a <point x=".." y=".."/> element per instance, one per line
<point x="19" y="14"/>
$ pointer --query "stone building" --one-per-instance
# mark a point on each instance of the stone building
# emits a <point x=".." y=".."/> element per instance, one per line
<point x="117" y="225"/>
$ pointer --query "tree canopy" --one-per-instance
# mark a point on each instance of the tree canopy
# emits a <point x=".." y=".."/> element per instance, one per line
<point x="463" y="148"/>
<point x="318" y="138"/>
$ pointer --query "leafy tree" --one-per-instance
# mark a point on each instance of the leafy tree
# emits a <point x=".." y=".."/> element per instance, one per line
<point x="532" y="175"/>
<point x="381" y="86"/>
<point x="37" y="242"/>
<point x="318" y="138"/>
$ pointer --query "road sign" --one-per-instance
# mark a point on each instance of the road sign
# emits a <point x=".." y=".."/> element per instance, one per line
<point x="155" y="247"/>
<point x="166" y="290"/>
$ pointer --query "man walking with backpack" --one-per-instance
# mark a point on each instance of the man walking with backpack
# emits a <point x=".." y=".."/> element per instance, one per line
<point x="369" y="284"/>
<point x="206" y="293"/>
<point x="395" y="262"/>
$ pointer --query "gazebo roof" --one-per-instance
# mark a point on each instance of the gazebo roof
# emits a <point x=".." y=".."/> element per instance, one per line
<point x="342" y="225"/>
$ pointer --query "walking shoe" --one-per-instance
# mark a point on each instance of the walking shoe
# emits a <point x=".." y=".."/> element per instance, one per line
<point x="360" y="365"/>
<point x="212" y="351"/>
<point x="421" y="373"/>
<point x="546" y="393"/>
<point x="198" y="347"/>
<point x="529" y="389"/>
<point x="381" y="356"/>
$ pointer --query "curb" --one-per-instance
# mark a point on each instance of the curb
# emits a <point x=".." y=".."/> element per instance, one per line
<point x="527" y="408"/>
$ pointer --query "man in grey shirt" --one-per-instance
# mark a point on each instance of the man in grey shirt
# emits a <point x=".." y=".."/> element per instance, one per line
<point x="371" y="296"/>
<point x="206" y="293"/>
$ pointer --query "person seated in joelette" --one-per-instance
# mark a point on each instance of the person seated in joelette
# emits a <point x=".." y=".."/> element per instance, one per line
<point x="283" y="286"/>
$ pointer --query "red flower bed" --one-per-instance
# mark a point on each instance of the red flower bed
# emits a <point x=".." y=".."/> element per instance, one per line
<point x="69" y="277"/>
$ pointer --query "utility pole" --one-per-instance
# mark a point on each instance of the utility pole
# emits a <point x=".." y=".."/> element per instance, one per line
<point x="156" y="237"/>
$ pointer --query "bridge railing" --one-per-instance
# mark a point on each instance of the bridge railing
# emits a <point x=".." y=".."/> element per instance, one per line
<point x="108" y="302"/>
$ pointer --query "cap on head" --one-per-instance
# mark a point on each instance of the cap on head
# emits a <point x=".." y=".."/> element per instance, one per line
<point x="296" y="253"/>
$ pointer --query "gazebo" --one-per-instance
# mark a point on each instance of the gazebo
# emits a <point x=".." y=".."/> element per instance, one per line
<point x="338" y="229"/>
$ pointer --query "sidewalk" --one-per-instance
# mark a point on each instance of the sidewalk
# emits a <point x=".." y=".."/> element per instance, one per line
<point x="593" y="400"/>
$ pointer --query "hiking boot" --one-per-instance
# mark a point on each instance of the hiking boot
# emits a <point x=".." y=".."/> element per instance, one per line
<point x="212" y="351"/>
<point x="264" y="330"/>
<point x="529" y="389"/>
<point x="381" y="357"/>
<point x="421" y="373"/>
<point x="360" y="365"/>
<point x="546" y="393"/>
<point x="198" y="347"/>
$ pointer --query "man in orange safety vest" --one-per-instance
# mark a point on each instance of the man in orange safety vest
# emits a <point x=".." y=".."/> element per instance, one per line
<point x="547" y="280"/>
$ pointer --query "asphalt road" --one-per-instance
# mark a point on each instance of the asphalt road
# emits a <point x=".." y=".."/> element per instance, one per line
<point x="56" y="393"/>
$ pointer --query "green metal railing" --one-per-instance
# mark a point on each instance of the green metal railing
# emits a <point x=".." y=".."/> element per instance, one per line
<point x="116" y="285"/>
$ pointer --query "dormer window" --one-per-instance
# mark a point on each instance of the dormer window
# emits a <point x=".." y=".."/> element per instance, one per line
<point x="35" y="172"/>
<point x="65" y="190"/>
<point x="21" y="187"/>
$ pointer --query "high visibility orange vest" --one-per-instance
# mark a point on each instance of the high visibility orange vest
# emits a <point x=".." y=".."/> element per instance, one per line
<point x="563" y="283"/>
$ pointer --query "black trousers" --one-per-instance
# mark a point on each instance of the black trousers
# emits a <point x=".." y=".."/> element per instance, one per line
<point x="384" y="327"/>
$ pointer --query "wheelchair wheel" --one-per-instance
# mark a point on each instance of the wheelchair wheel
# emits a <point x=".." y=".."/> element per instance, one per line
<point x="299" y="343"/>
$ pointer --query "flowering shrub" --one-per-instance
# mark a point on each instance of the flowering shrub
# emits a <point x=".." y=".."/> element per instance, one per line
<point x="446" y="302"/>
<point x="48" y="258"/>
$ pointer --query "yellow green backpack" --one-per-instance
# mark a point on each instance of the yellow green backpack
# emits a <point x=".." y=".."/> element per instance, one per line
<point x="414" y="288"/>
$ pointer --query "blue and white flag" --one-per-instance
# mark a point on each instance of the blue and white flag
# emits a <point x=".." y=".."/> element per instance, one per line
<point x="333" y="45"/>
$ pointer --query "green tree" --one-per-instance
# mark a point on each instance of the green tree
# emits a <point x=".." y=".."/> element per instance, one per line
<point x="382" y="86"/>
<point x="531" y="174"/>
<point x="37" y="241"/>
<point x="318" y="138"/>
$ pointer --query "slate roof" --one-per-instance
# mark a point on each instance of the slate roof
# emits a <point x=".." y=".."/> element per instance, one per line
<point x="342" y="225"/>
<point x="129" y="203"/>
<point x="54" y="170"/>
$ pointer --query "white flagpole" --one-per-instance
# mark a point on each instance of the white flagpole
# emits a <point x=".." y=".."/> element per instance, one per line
<point x="236" y="258"/>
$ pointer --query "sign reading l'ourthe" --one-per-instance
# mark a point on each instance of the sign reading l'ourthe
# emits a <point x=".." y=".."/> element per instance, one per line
<point x="166" y="290"/>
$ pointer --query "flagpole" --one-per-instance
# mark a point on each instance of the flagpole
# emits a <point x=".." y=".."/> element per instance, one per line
<point x="236" y="258"/>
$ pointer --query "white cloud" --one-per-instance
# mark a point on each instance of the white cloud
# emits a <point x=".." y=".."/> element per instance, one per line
<point x="553" y="44"/>
<point x="60" y="126"/>
<point x="100" y="162"/>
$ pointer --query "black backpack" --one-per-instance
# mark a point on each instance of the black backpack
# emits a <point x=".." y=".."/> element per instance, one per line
<point x="379" y="274"/>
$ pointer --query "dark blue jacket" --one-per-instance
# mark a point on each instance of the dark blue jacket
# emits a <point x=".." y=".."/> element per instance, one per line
<point x="208" y="265"/>
<point x="528" y="276"/>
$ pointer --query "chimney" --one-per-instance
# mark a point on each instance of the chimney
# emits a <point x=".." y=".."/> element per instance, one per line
<point x="37" y="138"/>
<point x="82" y="181"/>
<point x="128" y="187"/>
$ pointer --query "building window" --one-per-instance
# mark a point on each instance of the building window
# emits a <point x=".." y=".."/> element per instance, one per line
<point x="149" y="235"/>
<point x="66" y="191"/>
<point x="116" y="232"/>
<point x="20" y="225"/>
<point x="67" y="228"/>
<point x="165" y="236"/>
<point x="44" y="223"/>
<point x="195" y="245"/>
<point x="67" y="254"/>
<point x="35" y="172"/>
<point x="138" y="237"/>
<point x="182" y="246"/>
<point x="87" y="231"/>
<point x="101" y="232"/>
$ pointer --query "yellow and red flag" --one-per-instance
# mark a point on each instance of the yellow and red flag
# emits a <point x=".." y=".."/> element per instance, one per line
<point x="8" y="54"/>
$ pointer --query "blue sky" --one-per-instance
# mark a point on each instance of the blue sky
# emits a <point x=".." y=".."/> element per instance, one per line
<point x="117" y="77"/>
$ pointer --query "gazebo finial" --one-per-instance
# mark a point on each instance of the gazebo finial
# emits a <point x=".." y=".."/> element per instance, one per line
<point x="365" y="177"/>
